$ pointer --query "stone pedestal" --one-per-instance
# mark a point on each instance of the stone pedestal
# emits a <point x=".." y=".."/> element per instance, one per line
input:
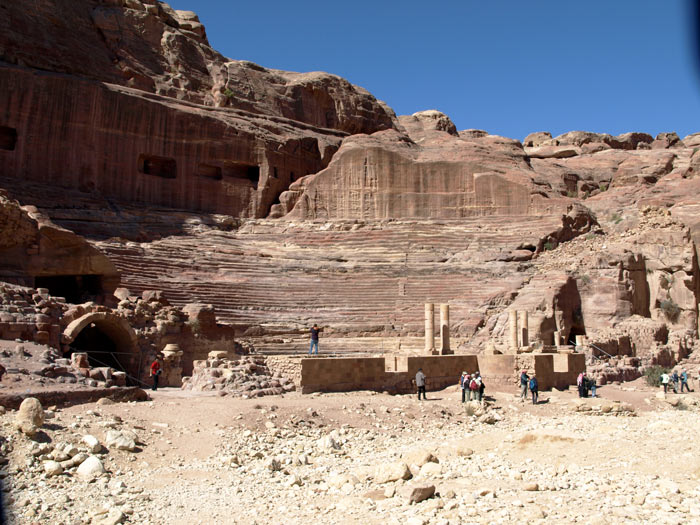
<point x="172" y="366"/>
<point x="522" y="332"/>
<point x="79" y="360"/>
<point x="429" y="327"/>
<point x="445" y="329"/>
<point x="513" y="329"/>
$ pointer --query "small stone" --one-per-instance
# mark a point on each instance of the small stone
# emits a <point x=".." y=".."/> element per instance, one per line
<point x="53" y="468"/>
<point x="420" y="493"/>
<point x="92" y="443"/>
<point x="90" y="468"/>
<point x="531" y="487"/>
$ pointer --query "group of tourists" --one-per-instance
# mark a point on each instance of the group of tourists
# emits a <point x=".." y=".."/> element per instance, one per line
<point x="586" y="385"/>
<point x="675" y="379"/>
<point x="472" y="386"/>
<point x="528" y="382"/>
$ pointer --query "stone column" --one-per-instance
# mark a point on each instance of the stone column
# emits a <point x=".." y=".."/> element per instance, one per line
<point x="429" y="327"/>
<point x="522" y="321"/>
<point x="580" y="340"/>
<point x="557" y="339"/>
<point x="513" y="322"/>
<point x="445" y="329"/>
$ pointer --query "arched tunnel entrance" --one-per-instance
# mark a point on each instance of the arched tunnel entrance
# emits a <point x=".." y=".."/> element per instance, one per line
<point x="101" y="350"/>
<point x="107" y="340"/>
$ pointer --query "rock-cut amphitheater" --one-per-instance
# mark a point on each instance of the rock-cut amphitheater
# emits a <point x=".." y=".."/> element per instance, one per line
<point x="158" y="197"/>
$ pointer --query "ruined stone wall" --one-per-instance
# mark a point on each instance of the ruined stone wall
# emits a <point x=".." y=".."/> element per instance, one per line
<point x="289" y="367"/>
<point x="396" y="374"/>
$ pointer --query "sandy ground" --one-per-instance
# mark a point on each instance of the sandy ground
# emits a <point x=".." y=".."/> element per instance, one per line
<point x="203" y="458"/>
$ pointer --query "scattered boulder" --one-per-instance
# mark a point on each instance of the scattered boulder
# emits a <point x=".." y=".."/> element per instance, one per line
<point x="52" y="468"/>
<point x="30" y="416"/>
<point x="120" y="440"/>
<point x="419" y="457"/>
<point x="389" y="472"/>
<point x="91" y="468"/>
<point x="93" y="444"/>
<point x="418" y="493"/>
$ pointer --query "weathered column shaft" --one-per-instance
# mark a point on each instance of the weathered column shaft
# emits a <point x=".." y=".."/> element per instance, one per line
<point x="513" y="322"/>
<point x="522" y="321"/>
<point x="444" y="327"/>
<point x="429" y="327"/>
<point x="557" y="338"/>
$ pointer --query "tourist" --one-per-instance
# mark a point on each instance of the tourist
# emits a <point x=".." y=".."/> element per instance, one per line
<point x="664" y="381"/>
<point x="482" y="387"/>
<point x="314" y="338"/>
<point x="684" y="380"/>
<point x="592" y="384"/>
<point x="534" y="389"/>
<point x="579" y="383"/>
<point x="474" y="386"/>
<point x="464" y="384"/>
<point x="420" y="383"/>
<point x="156" y="370"/>
<point x="524" y="379"/>
<point x="675" y="380"/>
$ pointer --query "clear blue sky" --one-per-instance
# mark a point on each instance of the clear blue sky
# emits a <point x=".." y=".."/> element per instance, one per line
<point x="509" y="67"/>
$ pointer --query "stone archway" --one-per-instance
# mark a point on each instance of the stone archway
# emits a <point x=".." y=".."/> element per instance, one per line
<point x="107" y="339"/>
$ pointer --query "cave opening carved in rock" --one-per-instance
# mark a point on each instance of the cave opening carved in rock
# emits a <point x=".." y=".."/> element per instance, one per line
<point x="108" y="341"/>
<point x="75" y="289"/>
<point x="159" y="166"/>
<point x="241" y="171"/>
<point x="8" y="138"/>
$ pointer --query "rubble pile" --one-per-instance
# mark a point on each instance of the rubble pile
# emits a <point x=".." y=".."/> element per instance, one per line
<point x="246" y="377"/>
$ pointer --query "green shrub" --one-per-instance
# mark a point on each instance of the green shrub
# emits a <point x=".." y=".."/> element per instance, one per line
<point x="228" y="93"/>
<point x="549" y="245"/>
<point x="670" y="309"/>
<point x="603" y="187"/>
<point x="652" y="374"/>
<point x="571" y="194"/>
<point x="616" y="218"/>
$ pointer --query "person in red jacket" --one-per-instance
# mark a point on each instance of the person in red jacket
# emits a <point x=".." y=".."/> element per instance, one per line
<point x="156" y="370"/>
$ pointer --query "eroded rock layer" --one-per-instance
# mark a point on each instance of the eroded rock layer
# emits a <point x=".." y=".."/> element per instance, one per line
<point x="289" y="198"/>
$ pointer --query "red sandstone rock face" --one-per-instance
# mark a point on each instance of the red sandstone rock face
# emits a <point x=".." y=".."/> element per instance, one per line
<point x="426" y="173"/>
<point x="32" y="247"/>
<point x="148" y="46"/>
<point x="126" y="100"/>
<point x="122" y="106"/>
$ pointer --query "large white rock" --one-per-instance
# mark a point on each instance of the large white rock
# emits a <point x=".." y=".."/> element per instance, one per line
<point x="419" y="457"/>
<point x="119" y="440"/>
<point x="93" y="444"/>
<point x="53" y="468"/>
<point x="389" y="472"/>
<point x="91" y="468"/>
<point x="327" y="443"/>
<point x="430" y="470"/>
<point x="30" y="416"/>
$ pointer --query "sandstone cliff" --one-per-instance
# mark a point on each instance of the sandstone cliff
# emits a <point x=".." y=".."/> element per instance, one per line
<point x="290" y="198"/>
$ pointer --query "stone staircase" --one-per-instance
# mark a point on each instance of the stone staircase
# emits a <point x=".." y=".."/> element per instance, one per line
<point x="356" y="280"/>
